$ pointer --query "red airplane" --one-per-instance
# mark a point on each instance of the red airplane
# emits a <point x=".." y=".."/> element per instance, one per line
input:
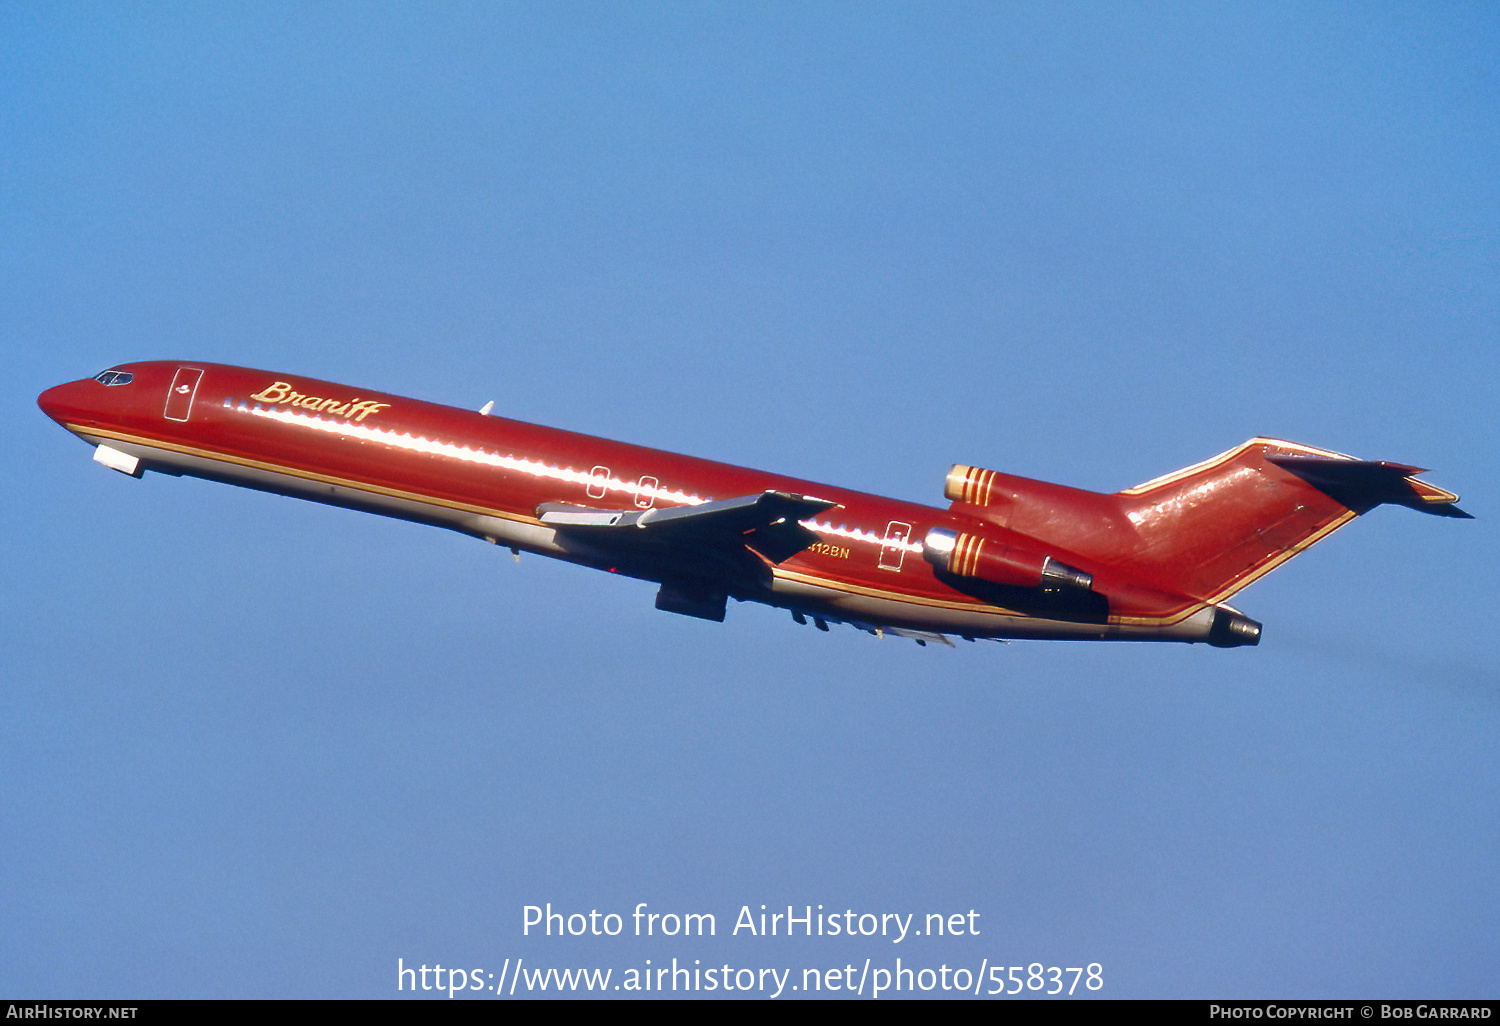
<point x="1009" y="558"/>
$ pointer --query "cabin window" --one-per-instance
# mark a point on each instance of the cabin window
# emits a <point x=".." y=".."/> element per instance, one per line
<point x="114" y="377"/>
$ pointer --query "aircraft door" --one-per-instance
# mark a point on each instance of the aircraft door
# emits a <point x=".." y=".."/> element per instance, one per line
<point x="893" y="551"/>
<point x="645" y="492"/>
<point x="180" y="395"/>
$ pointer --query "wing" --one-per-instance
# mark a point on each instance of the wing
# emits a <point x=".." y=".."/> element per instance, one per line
<point x="766" y="522"/>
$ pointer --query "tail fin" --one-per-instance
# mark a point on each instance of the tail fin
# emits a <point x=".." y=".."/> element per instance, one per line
<point x="1211" y="529"/>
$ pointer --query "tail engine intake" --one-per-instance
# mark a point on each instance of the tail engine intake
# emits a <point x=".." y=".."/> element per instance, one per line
<point x="973" y="485"/>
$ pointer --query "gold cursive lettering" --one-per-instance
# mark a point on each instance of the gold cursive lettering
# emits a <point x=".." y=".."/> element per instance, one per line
<point x="273" y="393"/>
<point x="281" y="394"/>
<point x="363" y="408"/>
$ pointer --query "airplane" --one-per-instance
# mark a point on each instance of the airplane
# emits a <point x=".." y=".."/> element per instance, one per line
<point x="1009" y="558"/>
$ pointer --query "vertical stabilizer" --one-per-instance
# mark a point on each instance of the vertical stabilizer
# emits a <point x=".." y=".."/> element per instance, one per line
<point x="1211" y="529"/>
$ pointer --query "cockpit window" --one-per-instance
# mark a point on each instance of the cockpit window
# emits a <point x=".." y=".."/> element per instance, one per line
<point x="112" y="377"/>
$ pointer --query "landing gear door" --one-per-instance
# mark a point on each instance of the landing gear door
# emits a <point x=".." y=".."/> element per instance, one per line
<point x="180" y="396"/>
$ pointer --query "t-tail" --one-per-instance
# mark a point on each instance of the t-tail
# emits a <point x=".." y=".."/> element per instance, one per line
<point x="1211" y="529"/>
<point x="1162" y="558"/>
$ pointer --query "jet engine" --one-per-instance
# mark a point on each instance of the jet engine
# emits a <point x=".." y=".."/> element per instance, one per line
<point x="969" y="484"/>
<point x="970" y="555"/>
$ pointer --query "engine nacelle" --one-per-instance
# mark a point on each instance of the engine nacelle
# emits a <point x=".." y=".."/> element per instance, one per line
<point x="969" y="484"/>
<point x="971" y="555"/>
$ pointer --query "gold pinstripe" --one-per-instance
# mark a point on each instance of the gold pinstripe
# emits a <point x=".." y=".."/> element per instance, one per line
<point x="973" y="485"/>
<point x="969" y="548"/>
<point x="1431" y="493"/>
<point x="306" y="475"/>
<point x="1247" y="579"/>
<point x="1223" y="457"/>
<point x="1170" y="620"/>
<point x="965" y="549"/>
<point x="1279" y="558"/>
<point x="895" y="596"/>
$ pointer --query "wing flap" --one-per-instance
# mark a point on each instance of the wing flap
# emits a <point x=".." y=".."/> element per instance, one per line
<point x="767" y="522"/>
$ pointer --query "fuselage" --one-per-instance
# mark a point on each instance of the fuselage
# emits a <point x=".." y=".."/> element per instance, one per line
<point x="487" y="476"/>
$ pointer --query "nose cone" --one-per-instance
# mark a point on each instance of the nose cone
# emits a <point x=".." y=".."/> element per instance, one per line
<point x="60" y="401"/>
<point x="77" y="402"/>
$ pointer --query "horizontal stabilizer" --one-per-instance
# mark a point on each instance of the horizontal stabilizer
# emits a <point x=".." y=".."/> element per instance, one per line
<point x="1211" y="529"/>
<point x="1361" y="485"/>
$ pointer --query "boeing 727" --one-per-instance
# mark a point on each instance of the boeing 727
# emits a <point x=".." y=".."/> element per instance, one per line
<point x="1008" y="558"/>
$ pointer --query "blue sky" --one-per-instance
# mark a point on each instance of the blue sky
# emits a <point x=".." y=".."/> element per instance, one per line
<point x="257" y="747"/>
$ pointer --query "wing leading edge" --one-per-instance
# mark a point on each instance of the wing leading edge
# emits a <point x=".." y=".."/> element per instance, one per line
<point x="767" y="522"/>
<point x="1362" y="485"/>
<point x="698" y="553"/>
